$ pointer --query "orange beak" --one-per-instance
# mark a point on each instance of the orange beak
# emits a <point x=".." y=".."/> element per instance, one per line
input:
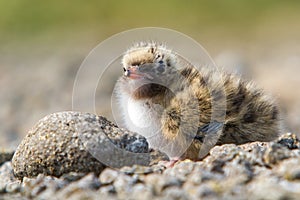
<point x="133" y="73"/>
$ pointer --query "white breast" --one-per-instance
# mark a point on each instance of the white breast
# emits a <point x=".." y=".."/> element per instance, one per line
<point x="141" y="117"/>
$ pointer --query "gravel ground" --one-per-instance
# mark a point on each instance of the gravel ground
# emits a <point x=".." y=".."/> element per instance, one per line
<point x="258" y="170"/>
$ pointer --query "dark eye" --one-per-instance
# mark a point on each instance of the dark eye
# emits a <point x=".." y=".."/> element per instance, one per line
<point x="124" y="69"/>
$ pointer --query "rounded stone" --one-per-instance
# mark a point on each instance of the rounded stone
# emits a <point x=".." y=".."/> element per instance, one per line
<point x="53" y="147"/>
<point x="108" y="176"/>
<point x="76" y="142"/>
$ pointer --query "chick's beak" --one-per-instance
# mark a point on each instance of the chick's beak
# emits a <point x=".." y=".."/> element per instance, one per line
<point x="134" y="73"/>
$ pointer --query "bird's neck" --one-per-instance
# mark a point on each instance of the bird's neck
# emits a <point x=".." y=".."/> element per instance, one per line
<point x="154" y="93"/>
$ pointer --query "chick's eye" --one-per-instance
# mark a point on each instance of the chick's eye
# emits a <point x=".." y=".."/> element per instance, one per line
<point x="124" y="69"/>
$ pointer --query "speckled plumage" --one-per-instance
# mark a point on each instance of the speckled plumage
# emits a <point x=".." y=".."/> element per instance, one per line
<point x="181" y="109"/>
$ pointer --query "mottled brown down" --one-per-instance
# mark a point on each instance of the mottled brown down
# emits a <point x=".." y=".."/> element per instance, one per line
<point x="218" y="105"/>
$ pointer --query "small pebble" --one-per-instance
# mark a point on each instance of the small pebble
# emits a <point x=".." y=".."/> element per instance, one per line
<point x="108" y="176"/>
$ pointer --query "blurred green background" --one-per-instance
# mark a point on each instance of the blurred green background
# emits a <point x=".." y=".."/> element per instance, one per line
<point x="68" y="22"/>
<point x="42" y="45"/>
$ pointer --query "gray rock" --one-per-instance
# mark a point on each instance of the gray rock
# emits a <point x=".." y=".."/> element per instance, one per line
<point x="5" y="155"/>
<point x="142" y="191"/>
<point x="124" y="185"/>
<point x="53" y="147"/>
<point x="275" y="153"/>
<point x="107" y="190"/>
<point x="72" y="176"/>
<point x="41" y="186"/>
<point x="108" y="176"/>
<point x="289" y="140"/>
<point x="13" y="187"/>
<point x="138" y="169"/>
<point x="271" y="187"/>
<point x="75" y="142"/>
<point x="160" y="182"/>
<point x="175" y="193"/>
<point x="289" y="169"/>
<point x="8" y="183"/>
<point x="85" y="186"/>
